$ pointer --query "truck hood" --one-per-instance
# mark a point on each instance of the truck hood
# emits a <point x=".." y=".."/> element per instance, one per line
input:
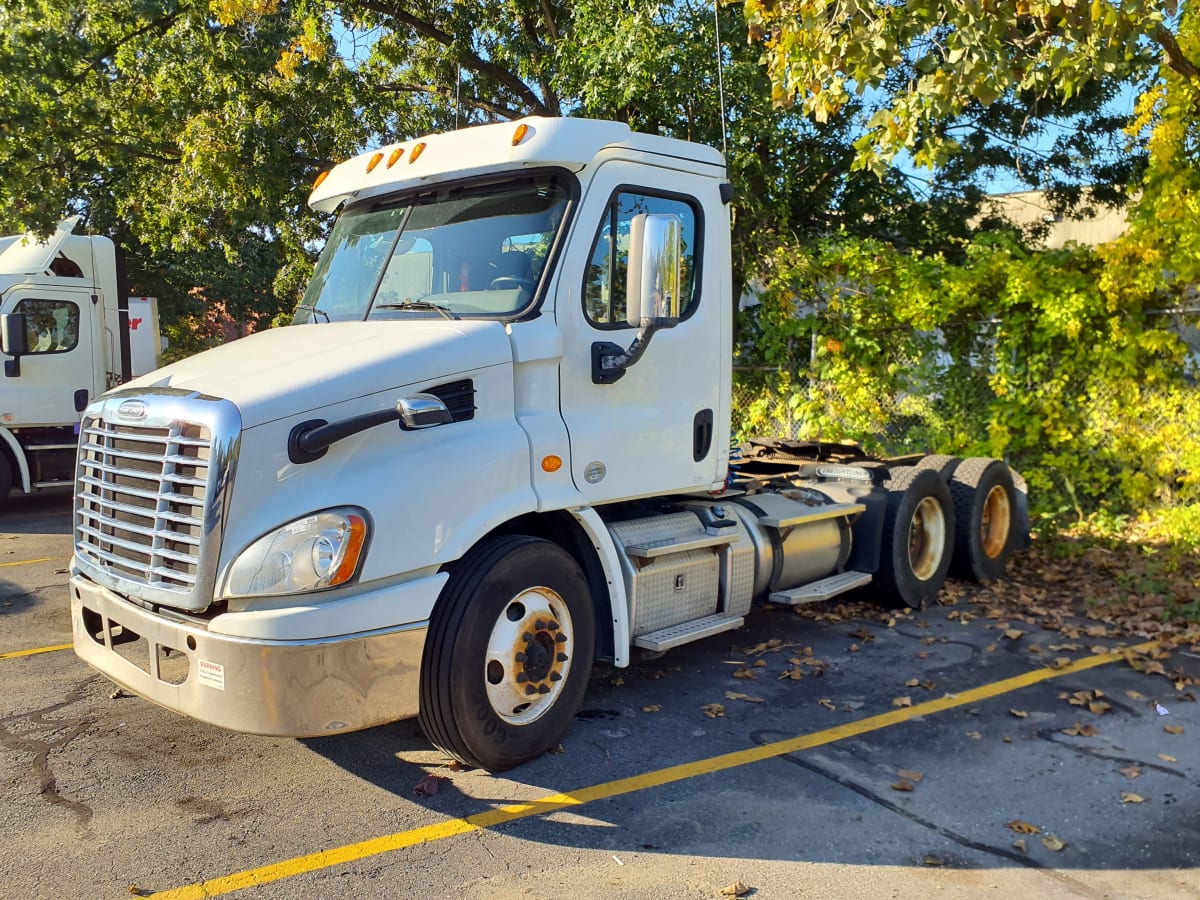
<point x="289" y="371"/>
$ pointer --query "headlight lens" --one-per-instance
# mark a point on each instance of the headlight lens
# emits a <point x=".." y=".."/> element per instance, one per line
<point x="319" y="551"/>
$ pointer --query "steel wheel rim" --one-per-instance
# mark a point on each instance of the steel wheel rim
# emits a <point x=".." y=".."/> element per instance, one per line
<point x="528" y="655"/>
<point x="994" y="522"/>
<point x="926" y="538"/>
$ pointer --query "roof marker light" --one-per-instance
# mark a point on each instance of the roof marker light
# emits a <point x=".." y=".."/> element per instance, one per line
<point x="395" y="157"/>
<point x="519" y="134"/>
<point x="375" y="159"/>
<point x="320" y="178"/>
<point x="416" y="151"/>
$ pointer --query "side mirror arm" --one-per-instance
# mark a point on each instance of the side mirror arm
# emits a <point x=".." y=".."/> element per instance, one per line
<point x="310" y="440"/>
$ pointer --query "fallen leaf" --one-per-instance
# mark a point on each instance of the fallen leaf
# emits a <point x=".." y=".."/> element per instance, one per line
<point x="902" y="785"/>
<point x="854" y="648"/>
<point x="1131" y="797"/>
<point x="902" y="701"/>
<point x="974" y="735"/>
<point x="924" y="654"/>
<point x="1059" y="648"/>
<point x="1014" y="634"/>
<point x="990" y="648"/>
<point x="1008" y="740"/>
<point x="1167" y="757"/>
<point x="734" y="695"/>
<point x="1053" y="843"/>
<point x="557" y="749"/>
<point x="1130" y="771"/>
<point x="1019" y="713"/>
<point x="745" y="673"/>
<point x="928" y="685"/>
<point x="1173" y="729"/>
<point x="931" y="860"/>
<point x="912" y="682"/>
<point x="827" y="703"/>
<point x="653" y="708"/>
<point x="737" y="889"/>
<point x="1023" y="827"/>
<point x="1019" y="843"/>
<point x="910" y="775"/>
<point x="713" y="710"/>
<point x="760" y="663"/>
<point x="1134" y="695"/>
<point x="863" y="635"/>
<point x="1099" y="707"/>
<point x="616" y="682"/>
<point x="1061" y="662"/>
<point x="794" y="674"/>
<point x="1081" y="730"/>
<point x="429" y="785"/>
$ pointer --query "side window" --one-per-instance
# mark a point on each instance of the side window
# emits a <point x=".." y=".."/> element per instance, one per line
<point x="51" y="326"/>
<point x="604" y="300"/>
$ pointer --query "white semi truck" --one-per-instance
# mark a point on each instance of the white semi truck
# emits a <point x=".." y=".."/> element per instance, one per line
<point x="69" y="333"/>
<point x="493" y="447"/>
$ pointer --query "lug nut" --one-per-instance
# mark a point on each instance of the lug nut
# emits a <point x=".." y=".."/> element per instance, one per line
<point x="543" y="688"/>
<point x="562" y="657"/>
<point x="527" y="637"/>
<point x="560" y="638"/>
<point x="555" y="676"/>
<point x="539" y="625"/>
<point x="530" y="690"/>
<point x="520" y="657"/>
<point x="552" y="625"/>
<point x="522" y="677"/>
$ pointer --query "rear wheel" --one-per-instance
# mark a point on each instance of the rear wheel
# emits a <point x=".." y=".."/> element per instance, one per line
<point x="985" y="518"/>
<point x="941" y="463"/>
<point x="508" y="653"/>
<point x="918" y="538"/>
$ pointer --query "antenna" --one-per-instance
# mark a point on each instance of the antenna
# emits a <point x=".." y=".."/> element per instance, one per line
<point x="720" y="79"/>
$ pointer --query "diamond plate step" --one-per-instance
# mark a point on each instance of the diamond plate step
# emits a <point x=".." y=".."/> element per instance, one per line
<point x="666" y="638"/>
<point x="816" y="591"/>
<point x="679" y="545"/>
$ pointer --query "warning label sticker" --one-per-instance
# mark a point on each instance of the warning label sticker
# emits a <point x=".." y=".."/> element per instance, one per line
<point x="212" y="674"/>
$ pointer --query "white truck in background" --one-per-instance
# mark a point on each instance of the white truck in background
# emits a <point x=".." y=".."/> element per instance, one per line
<point x="69" y="333"/>
<point x="545" y="310"/>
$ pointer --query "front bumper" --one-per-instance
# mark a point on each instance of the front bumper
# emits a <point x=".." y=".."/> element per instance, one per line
<point x="296" y="688"/>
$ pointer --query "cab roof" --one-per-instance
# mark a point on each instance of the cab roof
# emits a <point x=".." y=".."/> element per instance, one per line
<point x="532" y="142"/>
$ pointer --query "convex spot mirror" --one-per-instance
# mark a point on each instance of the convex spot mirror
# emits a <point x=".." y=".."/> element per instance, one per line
<point x="654" y="278"/>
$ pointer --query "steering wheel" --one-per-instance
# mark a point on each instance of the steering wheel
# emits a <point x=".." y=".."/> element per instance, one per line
<point x="510" y="282"/>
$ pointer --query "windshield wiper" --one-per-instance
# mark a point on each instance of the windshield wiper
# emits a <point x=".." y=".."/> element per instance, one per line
<point x="418" y="304"/>
<point x="314" y="311"/>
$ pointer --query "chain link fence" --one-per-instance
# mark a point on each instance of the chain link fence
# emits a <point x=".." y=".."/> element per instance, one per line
<point x="1145" y="438"/>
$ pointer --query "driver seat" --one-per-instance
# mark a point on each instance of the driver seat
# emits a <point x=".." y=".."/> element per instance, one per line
<point x="511" y="264"/>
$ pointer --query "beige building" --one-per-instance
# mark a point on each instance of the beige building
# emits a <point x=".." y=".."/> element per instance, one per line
<point x="1029" y="208"/>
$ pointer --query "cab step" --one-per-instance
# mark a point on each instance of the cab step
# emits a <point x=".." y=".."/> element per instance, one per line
<point x="655" y="549"/>
<point x="816" y="591"/>
<point x="666" y="638"/>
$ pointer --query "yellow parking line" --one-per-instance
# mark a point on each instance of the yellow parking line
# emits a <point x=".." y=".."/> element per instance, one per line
<point x="325" y="859"/>
<point x="30" y="562"/>
<point x="35" y="651"/>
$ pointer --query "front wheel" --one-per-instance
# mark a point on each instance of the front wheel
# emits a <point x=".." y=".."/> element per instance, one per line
<point x="508" y="653"/>
<point x="918" y="536"/>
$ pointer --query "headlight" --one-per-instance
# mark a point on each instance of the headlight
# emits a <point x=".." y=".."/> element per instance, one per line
<point x="319" y="551"/>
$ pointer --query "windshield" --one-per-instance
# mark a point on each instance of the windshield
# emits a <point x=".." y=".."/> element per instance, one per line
<point x="475" y="250"/>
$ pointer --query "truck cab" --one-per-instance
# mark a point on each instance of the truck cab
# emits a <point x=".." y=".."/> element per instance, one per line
<point x="493" y="446"/>
<point x="65" y="339"/>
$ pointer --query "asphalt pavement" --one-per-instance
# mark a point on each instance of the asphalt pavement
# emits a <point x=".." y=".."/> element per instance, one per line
<point x="940" y="753"/>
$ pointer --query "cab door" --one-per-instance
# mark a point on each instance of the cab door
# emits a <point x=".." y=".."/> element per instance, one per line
<point x="651" y="431"/>
<point x="60" y="332"/>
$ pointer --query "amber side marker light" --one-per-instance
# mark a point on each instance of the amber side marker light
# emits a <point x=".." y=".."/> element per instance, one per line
<point x="519" y="134"/>
<point x="395" y="157"/>
<point x="321" y="178"/>
<point x="416" y="151"/>
<point x="551" y="463"/>
<point x="376" y="159"/>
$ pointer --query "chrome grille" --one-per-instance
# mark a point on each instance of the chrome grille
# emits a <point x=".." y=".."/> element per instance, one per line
<point x="150" y="492"/>
<point x="141" y="497"/>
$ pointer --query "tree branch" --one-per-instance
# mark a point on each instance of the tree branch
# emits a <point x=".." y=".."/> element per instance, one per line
<point x="468" y="58"/>
<point x="492" y="108"/>
<point x="1175" y="58"/>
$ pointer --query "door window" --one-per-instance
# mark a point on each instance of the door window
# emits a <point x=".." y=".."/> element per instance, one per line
<point x="51" y="326"/>
<point x="604" y="289"/>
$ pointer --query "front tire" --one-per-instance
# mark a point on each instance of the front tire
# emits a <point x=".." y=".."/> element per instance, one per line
<point x="508" y="653"/>
<point x="918" y="535"/>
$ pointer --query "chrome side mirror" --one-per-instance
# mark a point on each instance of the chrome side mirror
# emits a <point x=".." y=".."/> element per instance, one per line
<point x="652" y="291"/>
<point x="422" y="411"/>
